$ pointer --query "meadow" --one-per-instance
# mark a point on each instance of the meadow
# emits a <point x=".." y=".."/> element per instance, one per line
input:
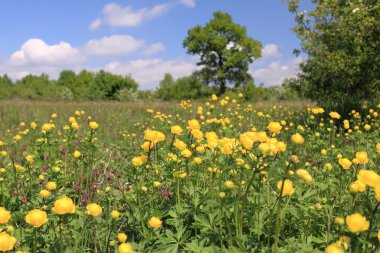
<point x="220" y="175"/>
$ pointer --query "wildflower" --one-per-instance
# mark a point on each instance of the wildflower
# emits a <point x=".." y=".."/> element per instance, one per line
<point x="334" y="115"/>
<point x="367" y="127"/>
<point x="288" y="188"/>
<point x="36" y="218"/>
<point x="229" y="184"/>
<point x="357" y="186"/>
<point x="29" y="159"/>
<point x="155" y="222"/>
<point x="64" y="205"/>
<point x="122" y="237"/>
<point x="125" y="248"/>
<point x="115" y="214"/>
<point x="369" y="177"/>
<point x="4" y="215"/>
<point x="274" y="127"/>
<point x="357" y="223"/>
<point x="76" y="154"/>
<point x="339" y="220"/>
<point x="186" y="153"/>
<point x="93" y="125"/>
<point x="345" y="163"/>
<point x="51" y="186"/>
<point x="7" y="242"/>
<point x="334" y="248"/>
<point x="176" y="130"/>
<point x="362" y="157"/>
<point x="94" y="209"/>
<point x="44" y="193"/>
<point x="297" y="139"/>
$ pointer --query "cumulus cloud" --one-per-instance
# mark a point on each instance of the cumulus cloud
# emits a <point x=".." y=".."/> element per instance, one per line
<point x="274" y="73"/>
<point x="154" y="48"/>
<point x="118" y="16"/>
<point x="113" y="45"/>
<point x="270" y="50"/>
<point x="149" y="72"/>
<point x="36" y="51"/>
<point x="188" y="3"/>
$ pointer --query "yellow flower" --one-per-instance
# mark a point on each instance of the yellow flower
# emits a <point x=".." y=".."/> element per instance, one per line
<point x="229" y="184"/>
<point x="115" y="214"/>
<point x="154" y="136"/>
<point x="51" y="186"/>
<point x="362" y="157"/>
<point x="369" y="177"/>
<point x="378" y="147"/>
<point x="64" y="205"/>
<point x="193" y="124"/>
<point x="179" y="144"/>
<point x="274" y="127"/>
<point x="176" y="130"/>
<point x="357" y="186"/>
<point x="288" y="187"/>
<point x="334" y="248"/>
<point x="125" y="248"/>
<point x="367" y="127"/>
<point x="378" y="235"/>
<point x="29" y="159"/>
<point x="345" y="163"/>
<point x="44" y="193"/>
<point x="93" y="125"/>
<point x="339" y="220"/>
<point x="4" y="215"/>
<point x="137" y="161"/>
<point x="186" y="153"/>
<point x="122" y="237"/>
<point x="36" y="218"/>
<point x="76" y="154"/>
<point x="155" y="222"/>
<point x="334" y="115"/>
<point x="94" y="209"/>
<point x="357" y="223"/>
<point x="297" y="139"/>
<point x="7" y="242"/>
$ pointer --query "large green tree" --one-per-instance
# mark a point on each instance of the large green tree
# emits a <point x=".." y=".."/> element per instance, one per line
<point x="225" y="51"/>
<point x="341" y="39"/>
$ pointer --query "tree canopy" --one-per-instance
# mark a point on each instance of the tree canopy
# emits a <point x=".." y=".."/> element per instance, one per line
<point x="225" y="51"/>
<point x="341" y="40"/>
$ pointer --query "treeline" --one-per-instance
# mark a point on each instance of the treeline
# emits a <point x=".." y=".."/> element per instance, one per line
<point x="103" y="85"/>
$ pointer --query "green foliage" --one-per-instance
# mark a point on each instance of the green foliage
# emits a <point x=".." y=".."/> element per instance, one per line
<point x="341" y="39"/>
<point x="225" y="51"/>
<point x="188" y="87"/>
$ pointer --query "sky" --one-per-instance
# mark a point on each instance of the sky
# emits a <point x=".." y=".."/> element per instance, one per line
<point x="142" y="38"/>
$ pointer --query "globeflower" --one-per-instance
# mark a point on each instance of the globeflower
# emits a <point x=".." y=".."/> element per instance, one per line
<point x="94" y="209"/>
<point x="334" y="248"/>
<point x="297" y="139"/>
<point x="93" y="125"/>
<point x="362" y="157"/>
<point x="7" y="242"/>
<point x="274" y="127"/>
<point x="288" y="189"/>
<point x="176" y="130"/>
<point x="36" y="218"/>
<point x="155" y="222"/>
<point x="334" y="115"/>
<point x="64" y="205"/>
<point x="122" y="237"/>
<point x="369" y="177"/>
<point x="357" y="223"/>
<point x="345" y="163"/>
<point x="125" y="248"/>
<point x="4" y="215"/>
<point x="76" y="154"/>
<point x="193" y="124"/>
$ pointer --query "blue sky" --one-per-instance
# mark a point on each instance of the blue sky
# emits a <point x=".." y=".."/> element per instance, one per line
<point x="138" y="37"/>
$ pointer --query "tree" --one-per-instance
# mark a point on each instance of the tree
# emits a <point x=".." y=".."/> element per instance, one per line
<point x="341" y="40"/>
<point x="225" y="51"/>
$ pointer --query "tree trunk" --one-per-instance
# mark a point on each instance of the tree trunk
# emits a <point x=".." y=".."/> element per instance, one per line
<point x="222" y="88"/>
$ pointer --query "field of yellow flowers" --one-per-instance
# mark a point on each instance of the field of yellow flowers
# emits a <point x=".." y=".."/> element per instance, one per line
<point x="221" y="175"/>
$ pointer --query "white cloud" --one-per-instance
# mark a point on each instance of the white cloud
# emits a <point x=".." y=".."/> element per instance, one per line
<point x="149" y="72"/>
<point x="113" y="45"/>
<point x="274" y="73"/>
<point x="154" y="48"/>
<point x="95" y="24"/>
<point x="36" y="51"/>
<point x="270" y="50"/>
<point x="116" y="15"/>
<point x="188" y="3"/>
